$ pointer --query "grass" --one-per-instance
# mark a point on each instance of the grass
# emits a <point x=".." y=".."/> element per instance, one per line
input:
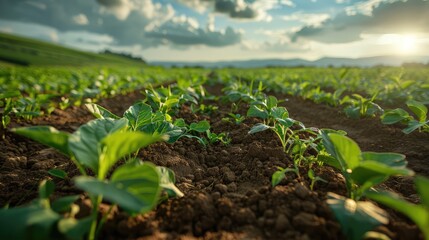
<point x="22" y="51"/>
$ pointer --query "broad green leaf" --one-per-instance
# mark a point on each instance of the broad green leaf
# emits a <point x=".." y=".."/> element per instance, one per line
<point x="356" y="218"/>
<point x="46" y="188"/>
<point x="394" y="116"/>
<point x="63" y="204"/>
<point x="390" y="159"/>
<point x="329" y="160"/>
<point x="134" y="188"/>
<point x="201" y="126"/>
<point x="286" y="122"/>
<point x="413" y="125"/>
<point x="279" y="112"/>
<point x="407" y="83"/>
<point x="139" y="114"/>
<point x="368" y="170"/>
<point x="422" y="185"/>
<point x="99" y="111"/>
<point x="74" y="229"/>
<point x="271" y="102"/>
<point x="167" y="181"/>
<point x="171" y="102"/>
<point x="163" y="128"/>
<point x="85" y="142"/>
<point x="352" y="112"/>
<point x="120" y="144"/>
<point x="58" y="173"/>
<point x="259" y="127"/>
<point x="419" y="109"/>
<point x="48" y="136"/>
<point x="345" y="150"/>
<point x="234" y="96"/>
<point x="255" y="111"/>
<point x="32" y="222"/>
<point x="180" y="123"/>
<point x="417" y="213"/>
<point x="158" y="117"/>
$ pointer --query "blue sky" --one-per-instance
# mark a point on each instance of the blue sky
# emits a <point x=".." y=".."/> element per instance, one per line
<point x="212" y="30"/>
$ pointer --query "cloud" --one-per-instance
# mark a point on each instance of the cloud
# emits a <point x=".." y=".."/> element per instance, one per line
<point x="386" y="17"/>
<point x="80" y="19"/>
<point x="128" y="22"/>
<point x="238" y="9"/>
<point x="120" y="8"/>
<point x="185" y="31"/>
<point x="310" y="19"/>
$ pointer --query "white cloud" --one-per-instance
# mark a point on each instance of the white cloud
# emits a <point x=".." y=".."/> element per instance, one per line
<point x="120" y="8"/>
<point x="80" y="19"/>
<point x="311" y="19"/>
<point x="185" y="31"/>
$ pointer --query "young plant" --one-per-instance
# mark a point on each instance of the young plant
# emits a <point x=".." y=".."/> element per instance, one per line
<point x="142" y="118"/>
<point x="44" y="219"/>
<point x="361" y="106"/>
<point x="236" y="118"/>
<point x="6" y="106"/>
<point x="314" y="178"/>
<point x="97" y="146"/>
<point x="204" y="109"/>
<point x="361" y="170"/>
<point x="418" y="213"/>
<point x="399" y="115"/>
<point x="357" y="218"/>
<point x="221" y="137"/>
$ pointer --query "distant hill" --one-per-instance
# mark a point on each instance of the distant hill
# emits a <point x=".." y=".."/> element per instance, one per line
<point x="322" y="62"/>
<point x="25" y="51"/>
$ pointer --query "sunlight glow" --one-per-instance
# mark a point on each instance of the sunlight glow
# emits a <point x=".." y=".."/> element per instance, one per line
<point x="402" y="43"/>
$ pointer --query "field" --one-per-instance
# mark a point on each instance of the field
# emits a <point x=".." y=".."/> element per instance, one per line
<point x="228" y="154"/>
<point x="29" y="52"/>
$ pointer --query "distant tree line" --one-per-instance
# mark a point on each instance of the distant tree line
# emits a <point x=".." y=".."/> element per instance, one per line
<point x="123" y="54"/>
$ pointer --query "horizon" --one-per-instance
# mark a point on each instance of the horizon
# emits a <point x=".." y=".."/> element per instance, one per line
<point x="226" y="30"/>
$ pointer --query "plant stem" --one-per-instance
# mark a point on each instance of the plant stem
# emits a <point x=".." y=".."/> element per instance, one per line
<point x="103" y="220"/>
<point x="79" y="166"/>
<point x="93" y="230"/>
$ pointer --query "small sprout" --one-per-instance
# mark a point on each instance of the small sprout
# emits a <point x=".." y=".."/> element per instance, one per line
<point x="314" y="178"/>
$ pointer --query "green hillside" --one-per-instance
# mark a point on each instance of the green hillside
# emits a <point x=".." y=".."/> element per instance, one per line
<point x="29" y="52"/>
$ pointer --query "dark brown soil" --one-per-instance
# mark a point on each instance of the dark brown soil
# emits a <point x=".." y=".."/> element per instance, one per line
<point x="227" y="188"/>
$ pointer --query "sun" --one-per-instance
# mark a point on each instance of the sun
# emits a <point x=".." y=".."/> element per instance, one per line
<point x="401" y="43"/>
<point x="407" y="44"/>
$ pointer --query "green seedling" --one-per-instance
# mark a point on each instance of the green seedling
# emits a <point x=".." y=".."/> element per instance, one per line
<point x="97" y="146"/>
<point x="399" y="115"/>
<point x="221" y="137"/>
<point x="362" y="170"/>
<point x="204" y="109"/>
<point x="6" y="106"/>
<point x="359" y="106"/>
<point x="314" y="178"/>
<point x="236" y="118"/>
<point x="357" y="218"/>
<point x="141" y="118"/>
<point x="418" y="213"/>
<point x="44" y="219"/>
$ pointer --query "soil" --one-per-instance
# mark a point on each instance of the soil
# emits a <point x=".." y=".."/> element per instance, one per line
<point x="227" y="189"/>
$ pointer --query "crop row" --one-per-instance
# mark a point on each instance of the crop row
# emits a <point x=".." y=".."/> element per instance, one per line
<point x="360" y="92"/>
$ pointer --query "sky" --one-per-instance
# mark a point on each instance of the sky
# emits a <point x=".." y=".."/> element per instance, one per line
<point x="215" y="30"/>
